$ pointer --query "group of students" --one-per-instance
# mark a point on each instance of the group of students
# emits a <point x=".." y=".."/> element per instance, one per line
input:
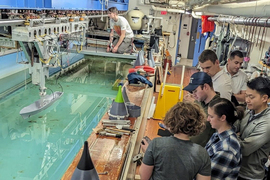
<point x="231" y="144"/>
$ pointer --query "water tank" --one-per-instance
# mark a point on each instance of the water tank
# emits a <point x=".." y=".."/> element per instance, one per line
<point x="134" y="17"/>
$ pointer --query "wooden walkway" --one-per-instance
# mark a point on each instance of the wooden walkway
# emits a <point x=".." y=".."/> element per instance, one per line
<point x="109" y="154"/>
<point x="175" y="78"/>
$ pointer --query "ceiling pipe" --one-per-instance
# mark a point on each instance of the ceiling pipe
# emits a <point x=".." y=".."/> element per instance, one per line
<point x="194" y="15"/>
<point x="168" y="9"/>
<point x="261" y="22"/>
<point x="247" y="9"/>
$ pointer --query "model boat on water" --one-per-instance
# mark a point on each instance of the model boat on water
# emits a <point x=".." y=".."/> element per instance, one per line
<point x="40" y="105"/>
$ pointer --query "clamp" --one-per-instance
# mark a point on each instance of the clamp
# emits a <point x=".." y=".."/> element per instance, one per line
<point x="138" y="159"/>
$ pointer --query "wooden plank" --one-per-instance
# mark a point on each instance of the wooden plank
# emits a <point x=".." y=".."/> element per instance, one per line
<point x="108" y="153"/>
<point x="175" y="78"/>
<point x="130" y="166"/>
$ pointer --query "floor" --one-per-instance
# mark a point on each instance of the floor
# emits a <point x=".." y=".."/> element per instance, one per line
<point x="176" y="71"/>
<point x="186" y="62"/>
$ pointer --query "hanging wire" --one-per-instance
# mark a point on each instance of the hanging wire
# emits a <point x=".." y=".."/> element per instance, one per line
<point x="25" y="79"/>
<point x="51" y="91"/>
<point x="263" y="41"/>
<point x="60" y="87"/>
<point x="255" y="9"/>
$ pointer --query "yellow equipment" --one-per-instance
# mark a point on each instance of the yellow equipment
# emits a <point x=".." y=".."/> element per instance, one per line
<point x="168" y="96"/>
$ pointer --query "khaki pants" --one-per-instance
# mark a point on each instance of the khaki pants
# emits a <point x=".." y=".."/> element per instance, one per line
<point x="125" y="46"/>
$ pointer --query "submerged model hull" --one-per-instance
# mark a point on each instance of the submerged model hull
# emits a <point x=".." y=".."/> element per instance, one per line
<point x="40" y="105"/>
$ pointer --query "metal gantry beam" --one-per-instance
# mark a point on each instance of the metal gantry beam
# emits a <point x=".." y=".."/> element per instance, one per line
<point x="261" y="22"/>
<point x="46" y="20"/>
<point x="11" y="22"/>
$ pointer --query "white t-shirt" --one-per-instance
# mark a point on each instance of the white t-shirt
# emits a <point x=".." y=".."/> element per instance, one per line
<point x="121" y="24"/>
<point x="222" y="84"/>
<point x="239" y="80"/>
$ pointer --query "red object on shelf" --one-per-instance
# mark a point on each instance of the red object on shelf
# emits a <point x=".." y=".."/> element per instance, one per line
<point x="148" y="68"/>
<point x="132" y="70"/>
<point x="207" y="26"/>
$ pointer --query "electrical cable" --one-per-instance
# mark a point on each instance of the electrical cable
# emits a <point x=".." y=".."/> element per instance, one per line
<point x="173" y="42"/>
<point x="52" y="91"/>
<point x="60" y="86"/>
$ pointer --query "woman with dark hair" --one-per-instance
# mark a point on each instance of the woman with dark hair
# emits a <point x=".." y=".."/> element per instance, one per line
<point x="176" y="157"/>
<point x="223" y="147"/>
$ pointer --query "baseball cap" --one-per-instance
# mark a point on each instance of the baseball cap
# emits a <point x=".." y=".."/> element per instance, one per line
<point x="197" y="79"/>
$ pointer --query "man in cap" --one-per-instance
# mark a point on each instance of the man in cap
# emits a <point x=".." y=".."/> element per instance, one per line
<point x="202" y="92"/>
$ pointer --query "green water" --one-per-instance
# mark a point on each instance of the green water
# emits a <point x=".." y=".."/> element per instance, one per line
<point x="44" y="145"/>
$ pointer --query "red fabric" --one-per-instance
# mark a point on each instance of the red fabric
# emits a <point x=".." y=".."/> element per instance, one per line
<point x="207" y="26"/>
<point x="132" y="70"/>
<point x="146" y="68"/>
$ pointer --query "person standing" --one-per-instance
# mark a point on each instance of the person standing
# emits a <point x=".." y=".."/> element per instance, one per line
<point x="254" y="130"/>
<point x="176" y="157"/>
<point x="238" y="77"/>
<point x="223" y="147"/>
<point x="221" y="81"/>
<point x="201" y="91"/>
<point x="120" y="25"/>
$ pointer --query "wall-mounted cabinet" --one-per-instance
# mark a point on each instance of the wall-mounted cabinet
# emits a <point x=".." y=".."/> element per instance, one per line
<point x="122" y="5"/>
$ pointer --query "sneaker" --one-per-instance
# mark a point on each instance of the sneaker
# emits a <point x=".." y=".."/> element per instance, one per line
<point x="162" y="125"/>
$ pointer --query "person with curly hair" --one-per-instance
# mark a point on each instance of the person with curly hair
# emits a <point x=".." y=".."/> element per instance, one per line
<point x="176" y="157"/>
<point x="223" y="147"/>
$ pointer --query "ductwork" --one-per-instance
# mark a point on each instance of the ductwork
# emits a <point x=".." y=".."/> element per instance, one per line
<point x="247" y="9"/>
<point x="177" y="3"/>
<point x="197" y="15"/>
<point x="194" y="15"/>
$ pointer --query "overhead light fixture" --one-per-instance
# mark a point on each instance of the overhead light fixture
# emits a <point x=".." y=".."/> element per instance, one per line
<point x="177" y="3"/>
<point x="198" y="13"/>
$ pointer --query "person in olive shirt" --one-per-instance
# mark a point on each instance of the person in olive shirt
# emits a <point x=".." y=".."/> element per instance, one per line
<point x="202" y="92"/>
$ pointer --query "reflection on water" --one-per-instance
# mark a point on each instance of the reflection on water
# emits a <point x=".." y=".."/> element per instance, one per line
<point x="44" y="145"/>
